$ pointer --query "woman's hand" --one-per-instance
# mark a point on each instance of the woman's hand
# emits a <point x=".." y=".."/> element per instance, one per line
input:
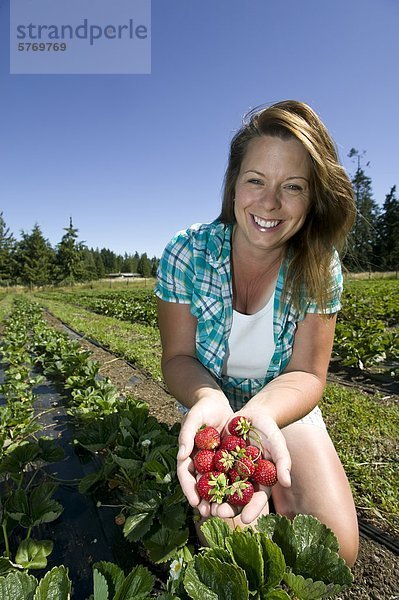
<point x="274" y="448"/>
<point x="212" y="411"/>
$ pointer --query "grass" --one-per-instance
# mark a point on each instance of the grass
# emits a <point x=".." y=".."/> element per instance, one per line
<point x="363" y="428"/>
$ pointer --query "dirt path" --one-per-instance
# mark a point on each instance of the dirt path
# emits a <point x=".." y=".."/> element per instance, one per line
<point x="376" y="572"/>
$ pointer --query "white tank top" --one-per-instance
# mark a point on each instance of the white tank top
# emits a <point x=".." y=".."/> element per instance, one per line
<point x="250" y="344"/>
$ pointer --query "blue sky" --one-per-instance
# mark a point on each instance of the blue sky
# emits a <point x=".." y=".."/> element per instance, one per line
<point x="134" y="158"/>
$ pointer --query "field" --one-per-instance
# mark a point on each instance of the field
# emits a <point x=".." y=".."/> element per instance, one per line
<point x="123" y="426"/>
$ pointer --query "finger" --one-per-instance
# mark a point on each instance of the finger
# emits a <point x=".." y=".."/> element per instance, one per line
<point x="187" y="434"/>
<point x="187" y="480"/>
<point x="257" y="505"/>
<point x="204" y="509"/>
<point x="226" y="511"/>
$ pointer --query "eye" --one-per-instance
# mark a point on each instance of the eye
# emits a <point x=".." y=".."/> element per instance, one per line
<point x="293" y="188"/>
<point x="255" y="181"/>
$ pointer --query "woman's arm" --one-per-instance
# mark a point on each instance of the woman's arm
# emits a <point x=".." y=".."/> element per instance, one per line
<point x="295" y="392"/>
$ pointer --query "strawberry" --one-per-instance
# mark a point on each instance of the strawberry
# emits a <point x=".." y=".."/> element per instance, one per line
<point x="224" y="460"/>
<point x="204" y="461"/>
<point x="233" y="475"/>
<point x="207" y="438"/>
<point x="245" y="467"/>
<point x="212" y="486"/>
<point x="240" y="426"/>
<point x="232" y="443"/>
<point x="240" y="493"/>
<point x="253" y="452"/>
<point x="265" y="473"/>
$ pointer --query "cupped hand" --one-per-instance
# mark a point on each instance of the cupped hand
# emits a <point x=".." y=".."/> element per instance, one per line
<point x="274" y="448"/>
<point x="212" y="411"/>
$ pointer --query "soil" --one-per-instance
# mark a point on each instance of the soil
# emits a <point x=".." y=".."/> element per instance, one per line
<point x="376" y="572"/>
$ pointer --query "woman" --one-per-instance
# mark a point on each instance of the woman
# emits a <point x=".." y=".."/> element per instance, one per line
<point x="247" y="307"/>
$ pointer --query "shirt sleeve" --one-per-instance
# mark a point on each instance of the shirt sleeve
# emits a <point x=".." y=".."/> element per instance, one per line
<point x="335" y="291"/>
<point x="175" y="272"/>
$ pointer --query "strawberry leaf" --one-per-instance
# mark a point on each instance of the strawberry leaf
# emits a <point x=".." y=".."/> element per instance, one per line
<point x="32" y="554"/>
<point x="309" y="531"/>
<point x="246" y="551"/>
<point x="216" y="531"/>
<point x="274" y="563"/>
<point x="17" y="586"/>
<point x="137" y="585"/>
<point x="55" y="585"/>
<point x="208" y="578"/>
<point x="112" y="574"/>
<point x="163" y="543"/>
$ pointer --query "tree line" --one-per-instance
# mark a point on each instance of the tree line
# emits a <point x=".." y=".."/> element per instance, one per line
<point x="33" y="261"/>
<point x="373" y="245"/>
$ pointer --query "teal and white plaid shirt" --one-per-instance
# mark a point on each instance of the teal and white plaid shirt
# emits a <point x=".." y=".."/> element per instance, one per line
<point x="195" y="269"/>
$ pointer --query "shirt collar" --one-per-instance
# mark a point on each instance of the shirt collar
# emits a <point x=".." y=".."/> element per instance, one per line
<point x="219" y="244"/>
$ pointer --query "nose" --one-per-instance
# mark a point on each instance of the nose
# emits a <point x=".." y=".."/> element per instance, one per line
<point x="271" y="198"/>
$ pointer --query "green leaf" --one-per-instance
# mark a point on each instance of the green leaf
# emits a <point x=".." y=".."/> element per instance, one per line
<point x="194" y="586"/>
<point x="17" y="505"/>
<point x="247" y="553"/>
<point x="87" y="482"/>
<point x="164" y="542"/>
<point x="6" y="566"/>
<point x="279" y="529"/>
<point x="19" y="457"/>
<point x="101" y="434"/>
<point x="305" y="589"/>
<point x="137" y="585"/>
<point x="274" y="563"/>
<point x="17" y="586"/>
<point x="309" y="531"/>
<point x="216" y="531"/>
<point x="323" y="564"/>
<point x="49" y="451"/>
<point x="173" y="517"/>
<point x="32" y="554"/>
<point x="136" y="526"/>
<point x="275" y="595"/>
<point x="100" y="586"/>
<point x="55" y="585"/>
<point x="131" y="465"/>
<point x="113" y="575"/>
<point x="226" y="581"/>
<point x="43" y="508"/>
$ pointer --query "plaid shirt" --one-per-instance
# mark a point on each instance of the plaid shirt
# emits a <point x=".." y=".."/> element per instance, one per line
<point x="195" y="269"/>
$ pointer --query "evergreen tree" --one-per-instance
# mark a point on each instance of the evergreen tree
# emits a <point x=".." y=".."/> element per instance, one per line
<point x="388" y="233"/>
<point x="70" y="257"/>
<point x="144" y="266"/>
<point x="7" y="253"/>
<point x="109" y="261"/>
<point x="154" y="266"/>
<point x="363" y="237"/>
<point x="100" y="269"/>
<point x="36" y="258"/>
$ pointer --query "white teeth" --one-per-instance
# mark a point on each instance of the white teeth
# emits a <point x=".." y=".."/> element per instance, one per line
<point x="266" y="224"/>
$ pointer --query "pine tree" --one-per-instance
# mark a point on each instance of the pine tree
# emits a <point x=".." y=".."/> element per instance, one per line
<point x="388" y="233"/>
<point x="36" y="258"/>
<point x="363" y="237"/>
<point x="70" y="258"/>
<point x="7" y="253"/>
<point x="144" y="266"/>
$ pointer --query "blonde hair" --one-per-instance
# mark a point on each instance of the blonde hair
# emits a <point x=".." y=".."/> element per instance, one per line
<point x="332" y="206"/>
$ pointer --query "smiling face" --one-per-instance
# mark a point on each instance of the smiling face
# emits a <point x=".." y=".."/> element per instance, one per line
<point x="271" y="194"/>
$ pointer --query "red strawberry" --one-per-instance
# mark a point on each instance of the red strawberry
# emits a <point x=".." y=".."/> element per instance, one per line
<point x="240" y="493"/>
<point x="232" y="442"/>
<point x="265" y="473"/>
<point x="240" y="426"/>
<point x="204" y="461"/>
<point x="212" y="486"/>
<point x="245" y="467"/>
<point x="207" y="438"/>
<point x="253" y="452"/>
<point x="233" y="475"/>
<point x="224" y="460"/>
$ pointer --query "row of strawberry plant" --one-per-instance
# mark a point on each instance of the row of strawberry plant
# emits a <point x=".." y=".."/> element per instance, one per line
<point x="134" y="306"/>
<point x="367" y="333"/>
<point x="200" y="575"/>
<point x="26" y="492"/>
